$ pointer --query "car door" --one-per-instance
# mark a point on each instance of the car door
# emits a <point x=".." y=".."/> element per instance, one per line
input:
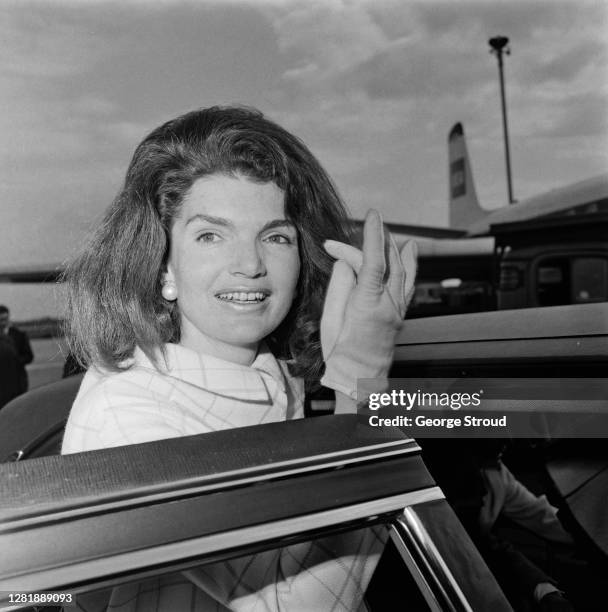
<point x="88" y="522"/>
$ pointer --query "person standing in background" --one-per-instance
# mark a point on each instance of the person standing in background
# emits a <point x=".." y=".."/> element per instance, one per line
<point x="9" y="372"/>
<point x="20" y="343"/>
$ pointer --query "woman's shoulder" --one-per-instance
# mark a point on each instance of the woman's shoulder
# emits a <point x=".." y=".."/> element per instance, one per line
<point x="116" y="408"/>
<point x="98" y="382"/>
<point x="100" y="386"/>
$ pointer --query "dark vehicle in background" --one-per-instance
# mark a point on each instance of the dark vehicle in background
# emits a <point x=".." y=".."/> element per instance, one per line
<point x="553" y="261"/>
<point x="545" y="262"/>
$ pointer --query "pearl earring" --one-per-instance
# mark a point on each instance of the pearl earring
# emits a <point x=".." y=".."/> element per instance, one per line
<point x="169" y="292"/>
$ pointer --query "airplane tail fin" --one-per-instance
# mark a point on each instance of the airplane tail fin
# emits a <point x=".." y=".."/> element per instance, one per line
<point x="464" y="206"/>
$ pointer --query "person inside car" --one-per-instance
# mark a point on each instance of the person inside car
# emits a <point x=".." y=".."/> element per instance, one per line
<point x="207" y="299"/>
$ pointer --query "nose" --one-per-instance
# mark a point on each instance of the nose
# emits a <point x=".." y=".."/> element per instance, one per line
<point x="248" y="259"/>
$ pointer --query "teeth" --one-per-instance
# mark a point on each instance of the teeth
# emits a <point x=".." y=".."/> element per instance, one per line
<point x="252" y="296"/>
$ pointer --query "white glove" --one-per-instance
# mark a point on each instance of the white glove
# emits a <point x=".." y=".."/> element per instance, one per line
<point x="363" y="313"/>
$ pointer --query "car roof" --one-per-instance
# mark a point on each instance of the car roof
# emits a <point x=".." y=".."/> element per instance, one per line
<point x="578" y="332"/>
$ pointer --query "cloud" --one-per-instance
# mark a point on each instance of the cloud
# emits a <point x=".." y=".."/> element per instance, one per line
<point x="521" y="20"/>
<point x="579" y="115"/>
<point x="321" y="38"/>
<point x="565" y="63"/>
<point x="40" y="44"/>
<point x="394" y="49"/>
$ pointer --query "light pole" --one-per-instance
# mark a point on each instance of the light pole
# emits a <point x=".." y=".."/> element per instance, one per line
<point x="499" y="44"/>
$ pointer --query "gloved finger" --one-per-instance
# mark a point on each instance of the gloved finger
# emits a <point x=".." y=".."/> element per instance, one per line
<point x="409" y="259"/>
<point x="396" y="279"/>
<point x="350" y="254"/>
<point x="338" y="293"/>
<point x="371" y="277"/>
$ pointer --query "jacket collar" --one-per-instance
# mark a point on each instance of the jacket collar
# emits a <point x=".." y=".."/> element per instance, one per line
<point x="257" y="382"/>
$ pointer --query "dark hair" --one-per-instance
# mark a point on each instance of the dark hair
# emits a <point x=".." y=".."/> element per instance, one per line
<point x="4" y="309"/>
<point x="114" y="299"/>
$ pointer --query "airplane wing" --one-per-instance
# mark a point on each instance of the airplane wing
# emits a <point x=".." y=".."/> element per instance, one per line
<point x="404" y="230"/>
<point x="584" y="197"/>
<point x="31" y="274"/>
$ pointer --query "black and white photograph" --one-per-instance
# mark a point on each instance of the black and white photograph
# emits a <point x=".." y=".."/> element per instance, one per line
<point x="304" y="305"/>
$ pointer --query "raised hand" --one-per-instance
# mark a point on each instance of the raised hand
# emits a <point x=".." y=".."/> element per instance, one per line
<point x="364" y="307"/>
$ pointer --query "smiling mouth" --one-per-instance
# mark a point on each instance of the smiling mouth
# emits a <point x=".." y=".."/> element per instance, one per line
<point x="241" y="297"/>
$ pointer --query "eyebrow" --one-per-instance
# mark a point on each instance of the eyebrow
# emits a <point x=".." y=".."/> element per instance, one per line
<point x="275" y="223"/>
<point x="210" y="219"/>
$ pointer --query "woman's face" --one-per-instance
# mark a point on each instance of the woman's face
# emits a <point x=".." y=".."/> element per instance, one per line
<point x="235" y="263"/>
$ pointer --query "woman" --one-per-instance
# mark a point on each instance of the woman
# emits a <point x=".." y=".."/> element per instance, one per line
<point x="198" y="306"/>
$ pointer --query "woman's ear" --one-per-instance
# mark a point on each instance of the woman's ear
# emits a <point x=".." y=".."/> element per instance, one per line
<point x="169" y="289"/>
<point x="168" y="276"/>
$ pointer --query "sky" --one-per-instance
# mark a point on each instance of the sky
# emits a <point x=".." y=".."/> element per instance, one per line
<point x="372" y="86"/>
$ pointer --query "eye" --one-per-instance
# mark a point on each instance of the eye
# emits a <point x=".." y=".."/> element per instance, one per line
<point x="279" y="239"/>
<point x="208" y="237"/>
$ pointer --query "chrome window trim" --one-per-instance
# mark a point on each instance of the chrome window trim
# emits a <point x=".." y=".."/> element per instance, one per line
<point x="428" y="568"/>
